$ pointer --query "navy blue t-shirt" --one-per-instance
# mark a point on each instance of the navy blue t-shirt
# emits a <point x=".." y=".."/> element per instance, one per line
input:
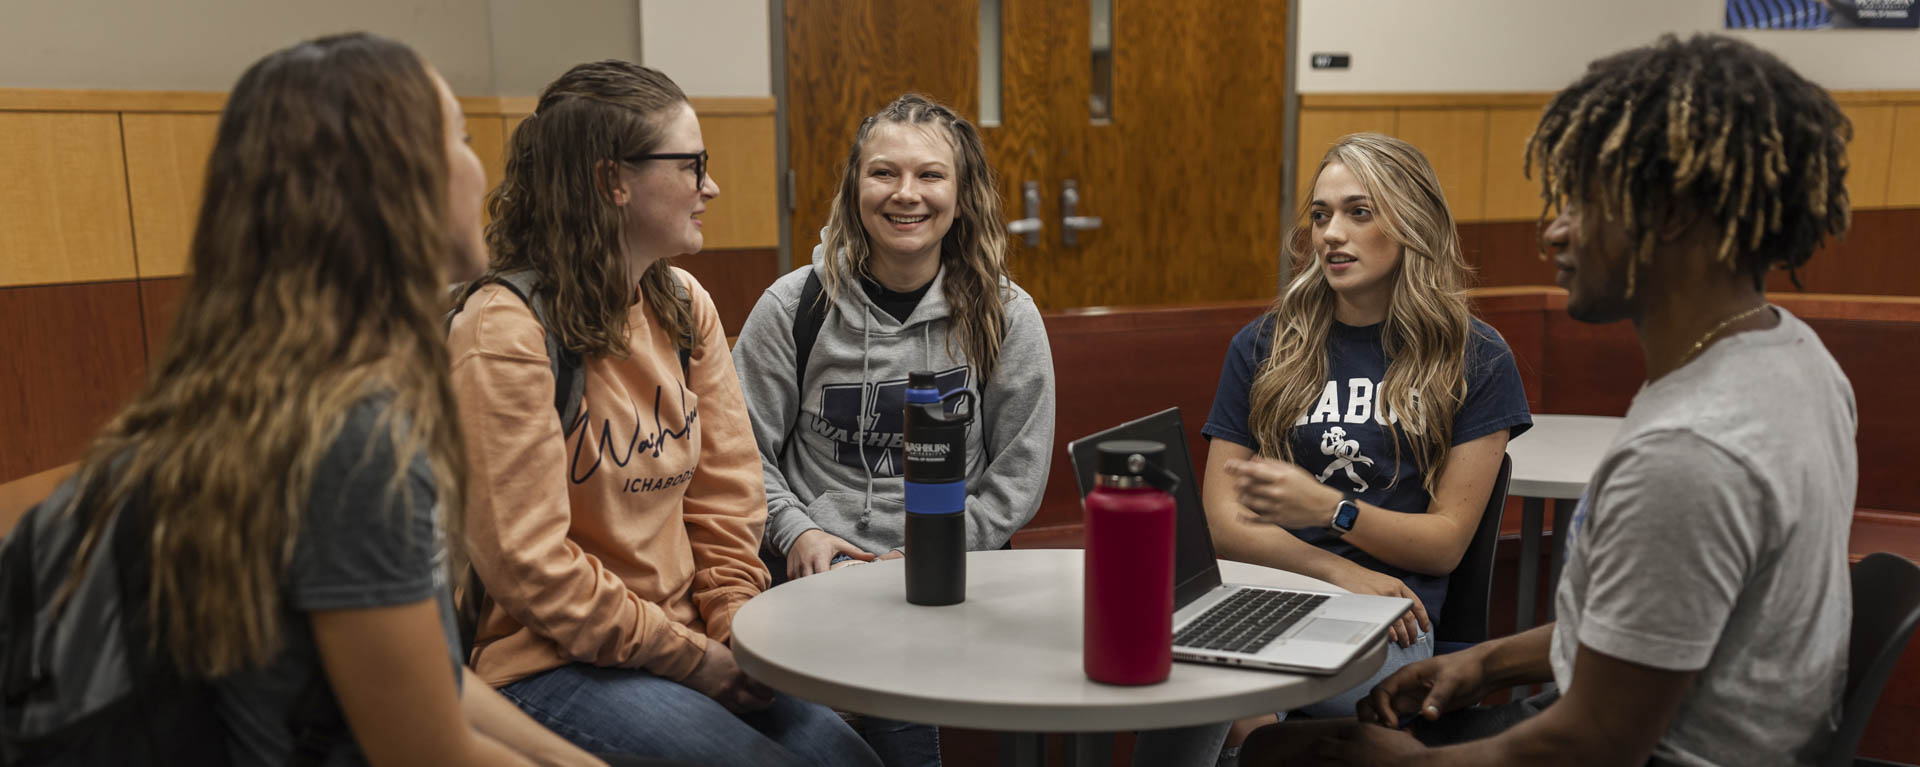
<point x="1344" y="439"/>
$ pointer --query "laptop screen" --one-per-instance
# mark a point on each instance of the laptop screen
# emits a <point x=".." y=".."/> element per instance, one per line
<point x="1195" y="570"/>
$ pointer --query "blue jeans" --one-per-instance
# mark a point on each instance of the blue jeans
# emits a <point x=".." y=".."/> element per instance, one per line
<point x="1397" y="658"/>
<point x="900" y="744"/>
<point x="630" y="711"/>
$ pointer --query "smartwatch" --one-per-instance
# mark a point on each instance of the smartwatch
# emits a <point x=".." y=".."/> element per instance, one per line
<point x="1343" y="518"/>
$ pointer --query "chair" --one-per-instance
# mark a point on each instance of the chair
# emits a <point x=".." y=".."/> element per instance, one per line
<point x="1463" y="619"/>
<point x="1886" y="609"/>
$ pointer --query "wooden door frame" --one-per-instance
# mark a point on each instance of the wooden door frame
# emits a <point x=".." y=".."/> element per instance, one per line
<point x="783" y="169"/>
<point x="1290" y="135"/>
<point x="1289" y="141"/>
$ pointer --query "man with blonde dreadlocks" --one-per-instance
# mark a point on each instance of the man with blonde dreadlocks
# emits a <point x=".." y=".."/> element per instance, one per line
<point x="1704" y="605"/>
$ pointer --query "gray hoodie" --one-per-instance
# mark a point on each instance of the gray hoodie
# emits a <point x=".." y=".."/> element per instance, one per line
<point x="843" y="475"/>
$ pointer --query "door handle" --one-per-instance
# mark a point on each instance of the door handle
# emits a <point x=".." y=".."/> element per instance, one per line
<point x="1070" y="224"/>
<point x="1029" y="227"/>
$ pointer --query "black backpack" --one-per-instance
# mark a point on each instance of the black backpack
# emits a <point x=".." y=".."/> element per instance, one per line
<point x="808" y="317"/>
<point x="89" y="683"/>
<point x="569" y="390"/>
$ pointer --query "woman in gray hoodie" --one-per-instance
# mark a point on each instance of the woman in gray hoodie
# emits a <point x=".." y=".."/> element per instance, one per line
<point x="910" y="275"/>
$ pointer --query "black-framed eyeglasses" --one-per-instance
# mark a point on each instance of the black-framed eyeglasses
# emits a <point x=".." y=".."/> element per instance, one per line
<point x="699" y="162"/>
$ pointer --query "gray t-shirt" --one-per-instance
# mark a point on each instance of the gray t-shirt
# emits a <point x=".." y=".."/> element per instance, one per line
<point x="1713" y="538"/>
<point x="363" y="543"/>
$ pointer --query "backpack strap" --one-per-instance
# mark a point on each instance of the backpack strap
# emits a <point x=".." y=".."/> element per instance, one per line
<point x="569" y="390"/>
<point x="686" y="336"/>
<point x="569" y="376"/>
<point x="808" y="317"/>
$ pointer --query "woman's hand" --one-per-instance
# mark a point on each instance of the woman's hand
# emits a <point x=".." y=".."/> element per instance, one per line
<point x="719" y="677"/>
<point x="1360" y="580"/>
<point x="1283" y="494"/>
<point x="814" y="550"/>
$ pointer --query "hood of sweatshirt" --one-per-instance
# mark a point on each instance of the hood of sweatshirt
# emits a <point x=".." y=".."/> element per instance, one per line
<point x="855" y="305"/>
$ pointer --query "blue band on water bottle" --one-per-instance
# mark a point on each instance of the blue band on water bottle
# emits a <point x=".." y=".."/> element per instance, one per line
<point x="940" y="498"/>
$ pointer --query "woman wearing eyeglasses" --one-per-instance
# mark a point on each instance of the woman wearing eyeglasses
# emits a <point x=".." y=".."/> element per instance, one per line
<point x="616" y="548"/>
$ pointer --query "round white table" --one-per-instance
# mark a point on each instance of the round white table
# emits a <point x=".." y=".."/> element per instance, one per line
<point x="1553" y="460"/>
<point x="1008" y="658"/>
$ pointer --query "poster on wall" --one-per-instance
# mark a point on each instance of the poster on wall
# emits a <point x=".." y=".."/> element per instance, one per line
<point x="1823" y="14"/>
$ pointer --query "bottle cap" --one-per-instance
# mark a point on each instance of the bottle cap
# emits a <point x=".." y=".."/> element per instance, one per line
<point x="920" y="379"/>
<point x="1123" y="457"/>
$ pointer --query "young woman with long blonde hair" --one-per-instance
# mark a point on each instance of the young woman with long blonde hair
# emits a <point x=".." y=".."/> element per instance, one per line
<point x="294" y="452"/>
<point x="618" y="547"/>
<point x="1359" y="425"/>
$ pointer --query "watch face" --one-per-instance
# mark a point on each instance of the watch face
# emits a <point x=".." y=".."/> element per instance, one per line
<point x="1349" y="511"/>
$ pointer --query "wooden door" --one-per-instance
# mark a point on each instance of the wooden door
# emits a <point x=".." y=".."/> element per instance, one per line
<point x="1185" y="175"/>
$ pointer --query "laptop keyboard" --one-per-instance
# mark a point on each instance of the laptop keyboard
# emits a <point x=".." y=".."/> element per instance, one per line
<point x="1247" y="620"/>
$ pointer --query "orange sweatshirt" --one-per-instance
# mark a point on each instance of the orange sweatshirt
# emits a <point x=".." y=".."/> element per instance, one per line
<point x="630" y="543"/>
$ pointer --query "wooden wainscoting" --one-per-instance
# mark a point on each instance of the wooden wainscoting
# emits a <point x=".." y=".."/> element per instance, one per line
<point x="73" y="353"/>
<point x="166" y="165"/>
<point x="105" y="185"/>
<point x="63" y="208"/>
<point x="735" y="279"/>
<point x="1476" y="141"/>
<point x="98" y="215"/>
<point x="739" y="134"/>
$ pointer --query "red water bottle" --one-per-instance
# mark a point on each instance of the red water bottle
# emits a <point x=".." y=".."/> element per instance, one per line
<point x="1129" y="601"/>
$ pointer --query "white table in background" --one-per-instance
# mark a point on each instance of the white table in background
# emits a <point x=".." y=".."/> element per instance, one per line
<point x="1553" y="460"/>
<point x="1006" y="659"/>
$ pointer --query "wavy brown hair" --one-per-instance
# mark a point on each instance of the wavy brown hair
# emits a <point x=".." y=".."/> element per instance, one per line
<point x="552" y="214"/>
<point x="317" y="270"/>
<point x="1425" y="334"/>
<point x="974" y="251"/>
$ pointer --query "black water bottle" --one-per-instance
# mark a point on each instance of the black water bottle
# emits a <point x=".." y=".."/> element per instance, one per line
<point x="936" y="473"/>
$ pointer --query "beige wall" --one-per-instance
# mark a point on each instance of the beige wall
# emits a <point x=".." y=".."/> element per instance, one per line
<point x="710" y="47"/>
<point x="1541" y="45"/>
<point x="482" y="47"/>
<point x="535" y="40"/>
<point x="204" y="45"/>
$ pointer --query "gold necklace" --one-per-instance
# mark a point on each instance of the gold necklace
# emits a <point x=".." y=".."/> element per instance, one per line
<point x="1702" y="343"/>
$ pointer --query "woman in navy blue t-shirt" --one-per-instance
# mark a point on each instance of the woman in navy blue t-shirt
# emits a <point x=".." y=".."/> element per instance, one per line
<point x="1359" y="425"/>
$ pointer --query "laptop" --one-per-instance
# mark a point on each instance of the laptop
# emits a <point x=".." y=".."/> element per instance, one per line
<point x="1312" y="632"/>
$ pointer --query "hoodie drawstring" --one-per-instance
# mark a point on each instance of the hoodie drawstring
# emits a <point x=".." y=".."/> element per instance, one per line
<point x="866" y="345"/>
